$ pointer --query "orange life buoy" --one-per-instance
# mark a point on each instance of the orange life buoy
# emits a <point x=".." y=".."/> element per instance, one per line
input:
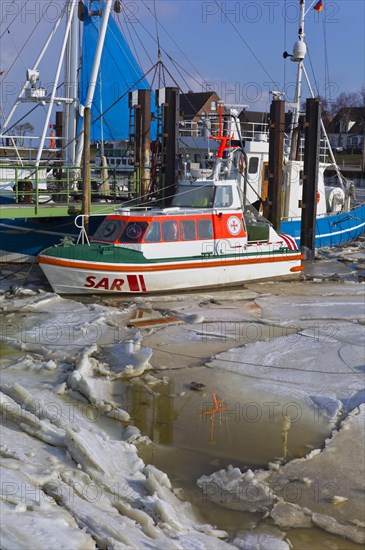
<point x="318" y="197"/>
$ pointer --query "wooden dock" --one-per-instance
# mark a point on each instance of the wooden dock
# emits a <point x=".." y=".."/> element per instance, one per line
<point x="50" y="210"/>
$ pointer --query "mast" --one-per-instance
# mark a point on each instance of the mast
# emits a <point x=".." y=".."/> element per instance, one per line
<point x="55" y="85"/>
<point x="71" y="69"/>
<point x="299" y="52"/>
<point x="298" y="55"/>
<point x="94" y="75"/>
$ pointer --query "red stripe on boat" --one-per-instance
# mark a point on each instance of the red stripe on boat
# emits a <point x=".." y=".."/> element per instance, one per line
<point x="143" y="286"/>
<point x="289" y="241"/>
<point x="133" y="283"/>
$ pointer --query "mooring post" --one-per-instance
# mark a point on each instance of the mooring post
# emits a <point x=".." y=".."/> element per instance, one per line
<point x="312" y="127"/>
<point x="144" y="100"/>
<point x="169" y="100"/>
<point x="276" y="149"/>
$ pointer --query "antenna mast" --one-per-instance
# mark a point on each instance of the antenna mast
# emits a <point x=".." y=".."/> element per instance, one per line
<point x="298" y="55"/>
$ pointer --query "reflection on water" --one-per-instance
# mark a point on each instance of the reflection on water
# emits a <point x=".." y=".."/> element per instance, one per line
<point x="228" y="423"/>
<point x="197" y="433"/>
<point x="153" y="413"/>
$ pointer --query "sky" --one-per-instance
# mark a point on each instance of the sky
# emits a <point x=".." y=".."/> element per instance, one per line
<point x="234" y="47"/>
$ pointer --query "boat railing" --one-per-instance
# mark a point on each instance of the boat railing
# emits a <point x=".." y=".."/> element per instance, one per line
<point x="81" y="222"/>
<point x="53" y="187"/>
<point x="324" y="155"/>
<point x="255" y="131"/>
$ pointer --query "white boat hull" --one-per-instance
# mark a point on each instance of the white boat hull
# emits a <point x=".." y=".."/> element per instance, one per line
<point x="68" y="280"/>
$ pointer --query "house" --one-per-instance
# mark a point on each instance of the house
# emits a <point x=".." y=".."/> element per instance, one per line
<point x="199" y="113"/>
<point x="199" y="119"/>
<point x="348" y="128"/>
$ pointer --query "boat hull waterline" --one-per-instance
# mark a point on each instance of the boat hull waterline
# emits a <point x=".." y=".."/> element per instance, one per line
<point x="75" y="277"/>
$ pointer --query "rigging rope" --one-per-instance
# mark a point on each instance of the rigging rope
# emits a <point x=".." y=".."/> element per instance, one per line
<point x="245" y="42"/>
<point x="327" y="91"/>
<point x="10" y="24"/>
<point x="174" y="41"/>
<point x="126" y="16"/>
<point x="285" y="33"/>
<point x="19" y="53"/>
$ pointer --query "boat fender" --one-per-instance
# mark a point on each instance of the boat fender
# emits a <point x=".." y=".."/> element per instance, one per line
<point x="318" y="197"/>
<point x="335" y="199"/>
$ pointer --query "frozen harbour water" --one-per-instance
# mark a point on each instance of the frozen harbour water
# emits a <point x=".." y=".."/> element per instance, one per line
<point x="72" y="473"/>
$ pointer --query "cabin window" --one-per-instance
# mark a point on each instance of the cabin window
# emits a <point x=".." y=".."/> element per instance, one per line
<point x="170" y="230"/>
<point x="154" y="233"/>
<point x="213" y="106"/>
<point x="108" y="230"/>
<point x="253" y="165"/>
<point x="133" y="232"/>
<point x="223" y="196"/>
<point x="205" y="229"/>
<point x="188" y="230"/>
<point x="198" y="197"/>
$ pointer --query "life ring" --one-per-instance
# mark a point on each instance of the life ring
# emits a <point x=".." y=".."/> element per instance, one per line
<point x="318" y="197"/>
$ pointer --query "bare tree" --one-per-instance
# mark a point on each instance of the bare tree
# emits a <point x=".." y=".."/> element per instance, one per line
<point x="346" y="100"/>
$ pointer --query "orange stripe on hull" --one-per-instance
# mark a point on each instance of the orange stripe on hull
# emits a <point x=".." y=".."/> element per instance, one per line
<point x="169" y="267"/>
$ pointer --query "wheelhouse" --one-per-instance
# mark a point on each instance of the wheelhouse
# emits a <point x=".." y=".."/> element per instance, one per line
<point x="119" y="230"/>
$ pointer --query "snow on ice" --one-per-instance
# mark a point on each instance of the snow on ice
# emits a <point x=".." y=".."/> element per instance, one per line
<point x="71" y="473"/>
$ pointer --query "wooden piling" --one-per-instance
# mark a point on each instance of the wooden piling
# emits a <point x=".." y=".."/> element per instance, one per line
<point x="272" y="210"/>
<point x="144" y="100"/>
<point x="312" y="127"/>
<point x="170" y="136"/>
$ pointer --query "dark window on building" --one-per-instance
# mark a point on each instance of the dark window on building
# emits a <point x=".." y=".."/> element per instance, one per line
<point x="188" y="230"/>
<point x="205" y="229"/>
<point x="133" y="232"/>
<point x="154" y="233"/>
<point x="253" y="165"/>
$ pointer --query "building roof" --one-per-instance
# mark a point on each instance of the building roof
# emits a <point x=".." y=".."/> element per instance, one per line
<point x="191" y="103"/>
<point x="254" y="116"/>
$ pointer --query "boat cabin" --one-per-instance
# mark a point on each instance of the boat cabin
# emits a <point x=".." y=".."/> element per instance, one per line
<point x="206" y="218"/>
<point x="174" y="232"/>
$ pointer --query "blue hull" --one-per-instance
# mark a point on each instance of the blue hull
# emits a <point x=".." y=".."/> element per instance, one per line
<point x="331" y="230"/>
<point x="22" y="239"/>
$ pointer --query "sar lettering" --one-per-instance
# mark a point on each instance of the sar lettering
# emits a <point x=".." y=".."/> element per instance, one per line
<point x="104" y="283"/>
